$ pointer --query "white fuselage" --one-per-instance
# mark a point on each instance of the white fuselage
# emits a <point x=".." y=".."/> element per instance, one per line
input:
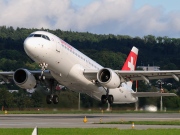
<point x="67" y="65"/>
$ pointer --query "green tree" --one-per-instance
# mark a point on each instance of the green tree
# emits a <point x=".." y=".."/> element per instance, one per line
<point x="6" y="98"/>
<point x="37" y="99"/>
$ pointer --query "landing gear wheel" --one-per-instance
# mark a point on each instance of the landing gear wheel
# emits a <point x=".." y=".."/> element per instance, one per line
<point x="110" y="99"/>
<point x="55" y="99"/>
<point x="48" y="99"/>
<point x="103" y="99"/>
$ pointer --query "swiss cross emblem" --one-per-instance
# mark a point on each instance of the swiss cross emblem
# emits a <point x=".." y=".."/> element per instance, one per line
<point x="130" y="64"/>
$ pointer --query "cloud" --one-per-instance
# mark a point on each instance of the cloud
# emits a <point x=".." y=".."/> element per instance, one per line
<point x="101" y="17"/>
<point x="31" y="13"/>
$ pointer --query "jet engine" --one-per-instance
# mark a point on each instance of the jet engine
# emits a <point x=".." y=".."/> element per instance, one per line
<point x="24" y="79"/>
<point x="108" y="78"/>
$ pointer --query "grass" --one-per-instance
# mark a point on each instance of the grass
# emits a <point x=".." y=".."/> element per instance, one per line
<point x="175" y="122"/>
<point x="88" y="131"/>
<point x="75" y="111"/>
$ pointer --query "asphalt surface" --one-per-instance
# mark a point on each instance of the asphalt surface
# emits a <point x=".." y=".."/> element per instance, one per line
<point x="76" y="120"/>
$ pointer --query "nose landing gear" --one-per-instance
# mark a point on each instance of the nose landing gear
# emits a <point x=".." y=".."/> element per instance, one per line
<point x="43" y="68"/>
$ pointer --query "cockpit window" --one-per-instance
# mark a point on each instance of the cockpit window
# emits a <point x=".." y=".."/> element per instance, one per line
<point x="43" y="36"/>
<point x="31" y="35"/>
<point x="39" y="35"/>
<point x="47" y="38"/>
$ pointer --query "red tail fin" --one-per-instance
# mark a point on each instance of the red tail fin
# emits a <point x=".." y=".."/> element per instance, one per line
<point x="130" y="62"/>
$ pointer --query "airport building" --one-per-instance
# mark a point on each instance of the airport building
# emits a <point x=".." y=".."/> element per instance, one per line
<point x="149" y="68"/>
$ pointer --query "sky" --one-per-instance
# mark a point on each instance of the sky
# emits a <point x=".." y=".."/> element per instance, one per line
<point x="119" y="17"/>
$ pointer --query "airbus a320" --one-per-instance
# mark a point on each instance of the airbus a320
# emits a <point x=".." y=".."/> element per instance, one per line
<point x="62" y="63"/>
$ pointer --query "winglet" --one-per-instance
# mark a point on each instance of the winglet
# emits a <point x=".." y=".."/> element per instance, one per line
<point x="130" y="62"/>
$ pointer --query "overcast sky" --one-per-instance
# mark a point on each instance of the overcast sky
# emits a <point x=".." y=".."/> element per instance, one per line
<point x="123" y="17"/>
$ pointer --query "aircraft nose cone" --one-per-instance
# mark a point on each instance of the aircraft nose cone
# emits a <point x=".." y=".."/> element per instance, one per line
<point x="29" y="46"/>
<point x="26" y="44"/>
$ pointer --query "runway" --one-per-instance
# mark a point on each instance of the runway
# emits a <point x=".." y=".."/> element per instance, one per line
<point x="76" y="120"/>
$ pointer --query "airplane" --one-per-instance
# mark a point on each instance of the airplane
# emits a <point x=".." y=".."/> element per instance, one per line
<point x="62" y="64"/>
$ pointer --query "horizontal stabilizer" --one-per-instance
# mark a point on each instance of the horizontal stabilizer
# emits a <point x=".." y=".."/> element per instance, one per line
<point x="152" y="94"/>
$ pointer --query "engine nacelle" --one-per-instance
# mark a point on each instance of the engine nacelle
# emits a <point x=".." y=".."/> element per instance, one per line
<point x="108" y="78"/>
<point x="24" y="79"/>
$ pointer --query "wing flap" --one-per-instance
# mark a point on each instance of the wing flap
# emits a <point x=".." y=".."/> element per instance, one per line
<point x="152" y="94"/>
<point x="90" y="74"/>
<point x="149" y="75"/>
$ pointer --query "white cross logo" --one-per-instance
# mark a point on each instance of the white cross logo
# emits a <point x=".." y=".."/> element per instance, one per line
<point x="131" y="65"/>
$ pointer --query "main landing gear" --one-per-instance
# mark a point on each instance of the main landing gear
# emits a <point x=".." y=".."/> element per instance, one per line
<point x="52" y="98"/>
<point x="107" y="97"/>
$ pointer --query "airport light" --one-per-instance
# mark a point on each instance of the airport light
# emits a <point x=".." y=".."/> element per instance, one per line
<point x="160" y="82"/>
<point x="137" y="103"/>
<point x="79" y="102"/>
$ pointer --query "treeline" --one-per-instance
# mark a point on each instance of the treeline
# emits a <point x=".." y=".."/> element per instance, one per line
<point x="160" y="51"/>
<point x="108" y="50"/>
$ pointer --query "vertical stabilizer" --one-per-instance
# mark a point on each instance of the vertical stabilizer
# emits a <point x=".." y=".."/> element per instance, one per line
<point x="130" y="62"/>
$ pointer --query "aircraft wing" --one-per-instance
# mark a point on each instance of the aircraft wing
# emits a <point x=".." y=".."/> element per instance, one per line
<point x="46" y="73"/>
<point x="90" y="74"/>
<point x="137" y="75"/>
<point x="6" y="76"/>
<point x="149" y="75"/>
<point x="152" y="94"/>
